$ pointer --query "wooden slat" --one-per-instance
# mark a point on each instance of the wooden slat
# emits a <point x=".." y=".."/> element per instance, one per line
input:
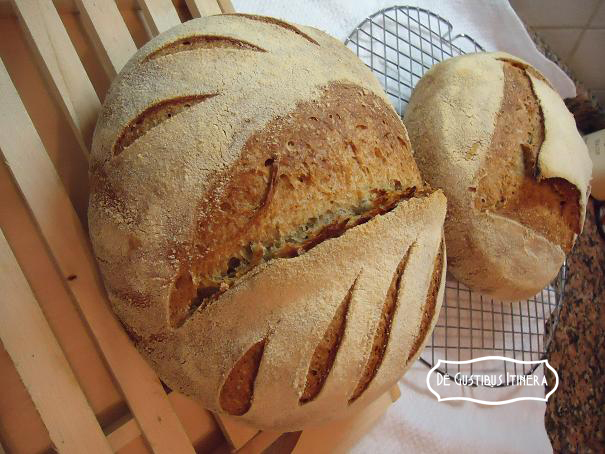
<point x="226" y="6"/>
<point x="198" y="422"/>
<point x="29" y="341"/>
<point x="108" y="32"/>
<point x="124" y="434"/>
<point x="160" y="15"/>
<point x="202" y="8"/>
<point x="137" y="25"/>
<point x="68" y="6"/>
<point x="237" y="433"/>
<point x="39" y="183"/>
<point x="284" y="444"/>
<point x="136" y="446"/>
<point x="22" y="428"/>
<point x="259" y="442"/>
<point x="62" y="314"/>
<point x="61" y="66"/>
<point x="51" y="123"/>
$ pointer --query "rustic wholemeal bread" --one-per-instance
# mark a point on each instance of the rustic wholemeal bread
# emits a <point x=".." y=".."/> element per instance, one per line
<point x="490" y="131"/>
<point x="260" y="223"/>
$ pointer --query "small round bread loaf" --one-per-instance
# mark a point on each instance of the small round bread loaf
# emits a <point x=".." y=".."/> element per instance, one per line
<point x="492" y="133"/>
<point x="261" y="226"/>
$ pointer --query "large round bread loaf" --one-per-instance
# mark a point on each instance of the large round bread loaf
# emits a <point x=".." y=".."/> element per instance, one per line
<point x="490" y="131"/>
<point x="260" y="223"/>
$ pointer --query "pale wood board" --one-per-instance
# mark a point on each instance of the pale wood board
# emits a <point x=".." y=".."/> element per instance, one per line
<point x="199" y="425"/>
<point x="21" y="427"/>
<point x="79" y="35"/>
<point x="124" y="434"/>
<point x="33" y="172"/>
<point x="261" y="441"/>
<point x="61" y="65"/>
<point x="226" y="6"/>
<point x="136" y="446"/>
<point x="284" y="444"/>
<point x="48" y="284"/>
<point x="108" y="33"/>
<point x="203" y="8"/>
<point x="137" y="25"/>
<point x="160" y="15"/>
<point x="236" y="432"/>
<point x="29" y="341"/>
<point x="55" y="131"/>
<point x="69" y="6"/>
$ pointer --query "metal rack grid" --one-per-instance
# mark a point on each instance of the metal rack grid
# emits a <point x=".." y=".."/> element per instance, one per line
<point x="400" y="44"/>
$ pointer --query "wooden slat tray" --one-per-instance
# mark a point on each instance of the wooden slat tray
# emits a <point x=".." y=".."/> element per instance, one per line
<point x="71" y="380"/>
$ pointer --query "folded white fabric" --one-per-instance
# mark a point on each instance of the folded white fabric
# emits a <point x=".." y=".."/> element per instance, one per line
<point x="417" y="423"/>
<point x="492" y="23"/>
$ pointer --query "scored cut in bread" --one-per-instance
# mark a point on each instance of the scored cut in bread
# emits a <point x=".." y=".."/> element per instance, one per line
<point x="490" y="131"/>
<point x="261" y="226"/>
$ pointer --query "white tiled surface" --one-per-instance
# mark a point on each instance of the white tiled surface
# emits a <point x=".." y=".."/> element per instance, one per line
<point x="588" y="61"/>
<point x="599" y="19"/>
<point x="555" y="13"/>
<point x="561" y="40"/>
<point x="575" y="30"/>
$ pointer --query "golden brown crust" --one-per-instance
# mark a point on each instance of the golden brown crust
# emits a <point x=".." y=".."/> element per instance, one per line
<point x="509" y="183"/>
<point x="513" y="167"/>
<point x="330" y="164"/>
<point x="382" y="335"/>
<point x="325" y="352"/>
<point x="195" y="42"/>
<point x="153" y="116"/>
<point x="295" y="300"/>
<point x="277" y="22"/>
<point x="238" y="390"/>
<point x="525" y="68"/>
<point x="300" y="149"/>
<point x="431" y="302"/>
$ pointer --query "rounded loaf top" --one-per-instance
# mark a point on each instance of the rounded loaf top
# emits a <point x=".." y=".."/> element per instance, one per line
<point x="261" y="226"/>
<point x="491" y="132"/>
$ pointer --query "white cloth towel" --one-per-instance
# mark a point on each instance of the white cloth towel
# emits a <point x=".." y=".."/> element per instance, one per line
<point x="492" y="23"/>
<point x="417" y="423"/>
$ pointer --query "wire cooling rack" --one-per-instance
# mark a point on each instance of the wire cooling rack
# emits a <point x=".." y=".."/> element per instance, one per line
<point x="400" y="44"/>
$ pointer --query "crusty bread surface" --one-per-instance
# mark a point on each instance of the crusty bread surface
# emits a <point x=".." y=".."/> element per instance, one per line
<point x="260" y="223"/>
<point x="490" y="131"/>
